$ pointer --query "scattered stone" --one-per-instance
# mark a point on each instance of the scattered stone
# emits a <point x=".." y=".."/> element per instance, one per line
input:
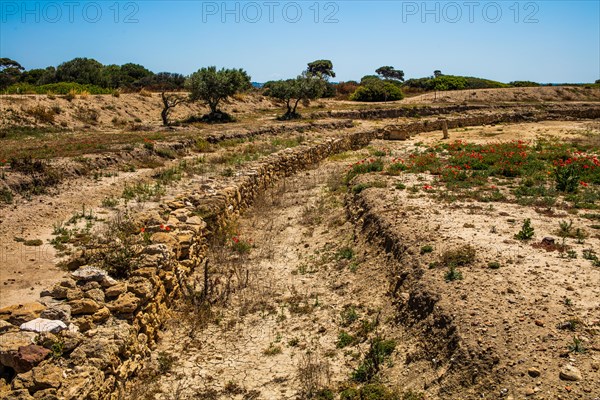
<point x="116" y="290"/>
<point x="534" y="372"/>
<point x="61" y="312"/>
<point x="570" y="373"/>
<point x="89" y="273"/>
<point x="41" y="325"/>
<point x="10" y="344"/>
<point x="95" y="294"/>
<point x="20" y="313"/>
<point x="5" y="326"/>
<point x="125" y="304"/>
<point x="57" y="292"/>
<point x="27" y="357"/>
<point x="83" y="306"/>
<point x="548" y="241"/>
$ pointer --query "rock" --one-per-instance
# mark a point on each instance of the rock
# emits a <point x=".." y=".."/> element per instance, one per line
<point x="42" y="377"/>
<point x="20" y="313"/>
<point x="125" y="303"/>
<point x="40" y="325"/>
<point x="83" y="306"/>
<point x="68" y="283"/>
<point x="21" y="394"/>
<point x="108" y="281"/>
<point x="74" y="294"/>
<point x="10" y="343"/>
<point x="95" y="294"/>
<point x="85" y="323"/>
<point x="164" y="238"/>
<point x="570" y="373"/>
<point x="101" y="315"/>
<point x="141" y="287"/>
<point x="116" y="290"/>
<point x="57" y="292"/>
<point x="5" y="326"/>
<point x="83" y="382"/>
<point x="534" y="372"/>
<point x="28" y="357"/>
<point x="155" y="249"/>
<point x="548" y="241"/>
<point x="89" y="273"/>
<point x="71" y="340"/>
<point x="60" y="312"/>
<point x="85" y="286"/>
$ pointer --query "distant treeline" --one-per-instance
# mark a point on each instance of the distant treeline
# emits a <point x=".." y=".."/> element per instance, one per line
<point x="87" y="73"/>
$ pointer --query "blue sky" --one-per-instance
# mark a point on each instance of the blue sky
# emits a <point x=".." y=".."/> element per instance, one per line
<point x="544" y="41"/>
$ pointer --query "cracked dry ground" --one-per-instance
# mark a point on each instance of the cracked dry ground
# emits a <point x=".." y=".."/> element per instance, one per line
<point x="309" y="277"/>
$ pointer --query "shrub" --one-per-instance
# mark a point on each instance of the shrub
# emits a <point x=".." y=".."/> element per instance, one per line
<point x="567" y="178"/>
<point x="379" y="351"/>
<point x="526" y="231"/>
<point x="345" y="339"/>
<point x="459" y="256"/>
<point x="377" y="90"/>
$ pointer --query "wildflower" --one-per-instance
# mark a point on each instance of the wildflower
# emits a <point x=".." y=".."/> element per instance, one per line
<point x="167" y="228"/>
<point x="427" y="187"/>
<point x="162" y="226"/>
<point x="584" y="184"/>
<point x="142" y="230"/>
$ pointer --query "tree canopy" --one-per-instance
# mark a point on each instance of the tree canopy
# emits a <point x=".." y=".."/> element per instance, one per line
<point x="321" y="68"/>
<point x="388" y="72"/>
<point x="213" y="86"/>
<point x="291" y="92"/>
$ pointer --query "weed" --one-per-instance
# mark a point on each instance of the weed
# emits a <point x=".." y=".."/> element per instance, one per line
<point x="293" y="342"/>
<point x="526" y="232"/>
<point x="426" y="249"/>
<point x="345" y="253"/>
<point x="459" y="256"/>
<point x="577" y="346"/>
<point x="110" y="202"/>
<point x="568" y="301"/>
<point x="567" y="179"/>
<point x="400" y="186"/>
<point x="348" y="316"/>
<point x="165" y="362"/>
<point x="33" y="242"/>
<point x="272" y="350"/>
<point x="345" y="339"/>
<point x="494" y="265"/>
<point x="363" y="167"/>
<point x="452" y="274"/>
<point x="6" y="195"/>
<point x="379" y="351"/>
<point x="314" y="376"/>
<point x="57" y="349"/>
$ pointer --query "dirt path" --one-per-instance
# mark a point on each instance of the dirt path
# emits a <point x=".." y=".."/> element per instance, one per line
<point x="308" y="280"/>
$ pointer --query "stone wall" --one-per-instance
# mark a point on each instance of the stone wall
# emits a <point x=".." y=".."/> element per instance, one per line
<point x="88" y="333"/>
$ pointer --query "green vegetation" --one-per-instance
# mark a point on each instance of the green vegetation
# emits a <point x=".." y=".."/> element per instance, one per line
<point x="379" y="351"/>
<point x="213" y="86"/>
<point x="377" y="90"/>
<point x="363" y="167"/>
<point x="526" y="231"/>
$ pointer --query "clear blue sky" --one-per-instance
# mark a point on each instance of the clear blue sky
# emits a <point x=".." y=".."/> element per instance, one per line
<point x="544" y="41"/>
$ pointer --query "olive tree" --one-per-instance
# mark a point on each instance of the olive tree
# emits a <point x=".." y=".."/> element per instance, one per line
<point x="388" y="72"/>
<point x="212" y="86"/>
<point x="291" y="92"/>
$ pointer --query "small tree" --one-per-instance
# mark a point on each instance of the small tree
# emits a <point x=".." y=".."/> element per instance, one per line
<point x="389" y="72"/>
<point x="213" y="86"/>
<point x="169" y="102"/>
<point x="321" y="68"/>
<point x="437" y="73"/>
<point x="304" y="88"/>
<point x="10" y="72"/>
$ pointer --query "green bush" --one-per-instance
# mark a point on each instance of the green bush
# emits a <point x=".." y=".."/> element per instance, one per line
<point x="377" y="90"/>
<point x="56" y="88"/>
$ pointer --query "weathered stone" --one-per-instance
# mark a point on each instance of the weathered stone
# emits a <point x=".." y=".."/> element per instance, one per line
<point x="548" y="241"/>
<point x="57" y="292"/>
<point x="44" y="376"/>
<point x="27" y="357"/>
<point x="534" y="372"/>
<point x="85" y="323"/>
<point x="21" y="394"/>
<point x="99" y="352"/>
<point x="83" y="306"/>
<point x="101" y="315"/>
<point x="125" y="303"/>
<point x="89" y="285"/>
<point x="156" y="249"/>
<point x="108" y="281"/>
<point x="74" y="294"/>
<point x="41" y="325"/>
<point x="89" y="273"/>
<point x="83" y="381"/>
<point x="570" y="373"/>
<point x="60" y="312"/>
<point x="141" y="287"/>
<point x="6" y="326"/>
<point x="20" y="313"/>
<point x="95" y="294"/>
<point x="10" y="343"/>
<point x="115" y="290"/>
<point x="164" y="238"/>
<point x="70" y="340"/>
